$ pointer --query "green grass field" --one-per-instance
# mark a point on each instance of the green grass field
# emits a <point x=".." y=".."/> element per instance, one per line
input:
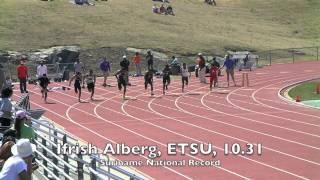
<point x="233" y="24"/>
<point x="306" y="91"/>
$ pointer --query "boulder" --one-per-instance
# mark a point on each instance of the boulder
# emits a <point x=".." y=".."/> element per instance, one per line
<point x="156" y="55"/>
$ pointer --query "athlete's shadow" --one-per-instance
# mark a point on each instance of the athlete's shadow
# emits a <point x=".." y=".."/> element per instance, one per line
<point x="83" y="102"/>
<point x="50" y="103"/>
<point x="97" y="100"/>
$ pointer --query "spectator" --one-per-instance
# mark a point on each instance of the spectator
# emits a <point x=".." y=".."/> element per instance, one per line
<point x="175" y="61"/>
<point x="137" y="61"/>
<point x="5" y="151"/>
<point x="78" y="66"/>
<point x="202" y="68"/>
<point x="21" y="125"/>
<point x="6" y="107"/>
<point x="211" y="2"/>
<point x="82" y="2"/>
<point x="163" y="9"/>
<point x="105" y="68"/>
<point x="8" y="140"/>
<point x="170" y="10"/>
<point x="175" y="66"/>
<point x="2" y="77"/>
<point x="19" y="166"/>
<point x="23" y="75"/>
<point x="149" y="59"/>
<point x="164" y="1"/>
<point x="229" y="64"/>
<point x="155" y="9"/>
<point x="245" y="60"/>
<point x="8" y="83"/>
<point x="41" y="69"/>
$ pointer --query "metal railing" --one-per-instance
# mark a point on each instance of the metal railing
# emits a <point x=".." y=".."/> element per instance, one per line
<point x="75" y="166"/>
<point x="290" y="55"/>
<point x="268" y="57"/>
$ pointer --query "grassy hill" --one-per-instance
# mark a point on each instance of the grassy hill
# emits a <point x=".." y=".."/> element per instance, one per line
<point x="233" y="24"/>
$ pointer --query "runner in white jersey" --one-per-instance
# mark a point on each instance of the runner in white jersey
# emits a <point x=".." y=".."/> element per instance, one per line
<point x="184" y="75"/>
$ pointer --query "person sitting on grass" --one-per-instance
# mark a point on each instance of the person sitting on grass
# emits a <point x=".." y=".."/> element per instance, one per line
<point x="121" y="78"/>
<point x="166" y="78"/>
<point x="163" y="10"/>
<point x="148" y="79"/>
<point x="170" y="10"/>
<point x="211" y="2"/>
<point x="155" y="9"/>
<point x="82" y="2"/>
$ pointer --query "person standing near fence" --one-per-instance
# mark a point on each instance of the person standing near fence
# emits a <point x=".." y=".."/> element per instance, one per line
<point x="42" y="69"/>
<point x="137" y="61"/>
<point x="230" y="65"/>
<point x="105" y="68"/>
<point x="149" y="59"/>
<point x="22" y="71"/>
<point x="202" y="68"/>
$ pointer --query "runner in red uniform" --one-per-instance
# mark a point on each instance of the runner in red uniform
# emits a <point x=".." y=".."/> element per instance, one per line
<point x="213" y="76"/>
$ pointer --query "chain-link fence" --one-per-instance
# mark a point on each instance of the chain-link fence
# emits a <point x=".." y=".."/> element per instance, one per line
<point x="60" y="70"/>
<point x="291" y="55"/>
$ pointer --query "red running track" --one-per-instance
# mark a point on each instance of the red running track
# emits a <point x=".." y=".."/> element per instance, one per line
<point x="289" y="134"/>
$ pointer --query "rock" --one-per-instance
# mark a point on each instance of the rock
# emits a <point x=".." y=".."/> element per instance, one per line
<point x="61" y="54"/>
<point x="156" y="55"/>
